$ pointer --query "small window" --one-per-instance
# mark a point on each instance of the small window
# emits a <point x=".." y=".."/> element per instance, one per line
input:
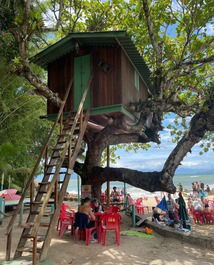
<point x="136" y="80"/>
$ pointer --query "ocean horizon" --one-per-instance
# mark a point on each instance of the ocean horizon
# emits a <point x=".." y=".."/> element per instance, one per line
<point x="185" y="179"/>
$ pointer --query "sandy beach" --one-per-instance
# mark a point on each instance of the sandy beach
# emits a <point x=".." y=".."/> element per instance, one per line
<point x="132" y="251"/>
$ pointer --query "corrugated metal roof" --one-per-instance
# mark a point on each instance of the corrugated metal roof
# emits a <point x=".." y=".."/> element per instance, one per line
<point x="108" y="38"/>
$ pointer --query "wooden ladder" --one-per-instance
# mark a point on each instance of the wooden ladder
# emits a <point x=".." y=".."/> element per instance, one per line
<point x="38" y="229"/>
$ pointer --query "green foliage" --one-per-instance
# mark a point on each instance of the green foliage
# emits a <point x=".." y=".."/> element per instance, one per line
<point x="126" y="147"/>
<point x="22" y="132"/>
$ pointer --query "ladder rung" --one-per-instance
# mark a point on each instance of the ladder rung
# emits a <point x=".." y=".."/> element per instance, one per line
<point x="52" y="165"/>
<point x="58" y="148"/>
<point x="44" y="183"/>
<point x="36" y="202"/>
<point x="45" y="214"/>
<point x="47" y="183"/>
<point x="42" y="191"/>
<point x="65" y="135"/>
<point x="40" y="238"/>
<point x="27" y="236"/>
<point x="61" y="181"/>
<point x="44" y="224"/>
<point x="28" y="250"/>
<point x="69" y="127"/>
<point x="27" y="225"/>
<point x="52" y="173"/>
<point x="34" y="212"/>
<point x="61" y="142"/>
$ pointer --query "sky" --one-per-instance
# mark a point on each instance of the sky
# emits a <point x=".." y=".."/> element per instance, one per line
<point x="154" y="158"/>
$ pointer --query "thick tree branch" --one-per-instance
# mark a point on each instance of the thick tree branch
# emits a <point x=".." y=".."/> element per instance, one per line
<point x="162" y="180"/>
<point x="127" y="138"/>
<point x="22" y="36"/>
<point x="150" y="181"/>
<point x="41" y="88"/>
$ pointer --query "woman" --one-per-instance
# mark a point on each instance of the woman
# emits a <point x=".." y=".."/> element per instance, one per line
<point x="85" y="218"/>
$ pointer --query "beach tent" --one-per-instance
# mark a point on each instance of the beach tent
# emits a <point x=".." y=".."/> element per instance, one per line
<point x="162" y="204"/>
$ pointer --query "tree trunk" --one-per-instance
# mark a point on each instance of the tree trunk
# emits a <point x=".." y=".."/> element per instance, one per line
<point x="150" y="181"/>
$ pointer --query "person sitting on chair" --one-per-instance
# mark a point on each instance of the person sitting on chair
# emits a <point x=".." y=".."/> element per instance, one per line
<point x="115" y="196"/>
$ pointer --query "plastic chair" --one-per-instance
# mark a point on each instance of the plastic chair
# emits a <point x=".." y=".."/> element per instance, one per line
<point x="112" y="209"/>
<point x="209" y="218"/>
<point x="64" y="226"/>
<point x="198" y="217"/>
<point x="88" y="232"/>
<point x="65" y="216"/>
<point x="139" y="207"/>
<point x="103" y="197"/>
<point x="110" y="222"/>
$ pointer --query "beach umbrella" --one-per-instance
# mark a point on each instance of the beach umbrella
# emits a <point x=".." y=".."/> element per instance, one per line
<point x="162" y="204"/>
<point x="183" y="215"/>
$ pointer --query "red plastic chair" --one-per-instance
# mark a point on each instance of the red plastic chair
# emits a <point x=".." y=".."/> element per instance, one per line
<point x="84" y="234"/>
<point x="64" y="226"/>
<point x="65" y="217"/>
<point x="88" y="232"/>
<point x="103" y="197"/>
<point x="112" y="209"/>
<point x="198" y="217"/>
<point x="209" y="218"/>
<point x="110" y="222"/>
<point x="139" y="206"/>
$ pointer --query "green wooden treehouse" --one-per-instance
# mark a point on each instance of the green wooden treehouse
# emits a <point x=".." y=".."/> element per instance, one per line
<point x="97" y="75"/>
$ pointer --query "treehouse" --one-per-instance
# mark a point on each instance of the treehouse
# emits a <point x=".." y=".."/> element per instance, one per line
<point x="120" y="75"/>
<point x="107" y="74"/>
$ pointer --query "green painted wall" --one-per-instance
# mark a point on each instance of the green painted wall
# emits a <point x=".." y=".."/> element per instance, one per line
<point x="82" y="73"/>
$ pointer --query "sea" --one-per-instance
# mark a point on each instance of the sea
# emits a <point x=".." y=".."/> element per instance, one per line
<point x="185" y="180"/>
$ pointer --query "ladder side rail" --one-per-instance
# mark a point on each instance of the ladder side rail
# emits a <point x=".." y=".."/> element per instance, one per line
<point x="62" y="192"/>
<point x="10" y="225"/>
<point x="81" y="105"/>
<point x="60" y="162"/>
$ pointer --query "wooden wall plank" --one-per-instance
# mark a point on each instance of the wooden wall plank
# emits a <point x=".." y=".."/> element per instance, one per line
<point x="129" y="92"/>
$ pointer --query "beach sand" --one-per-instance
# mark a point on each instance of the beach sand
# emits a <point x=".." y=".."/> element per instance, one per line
<point x="132" y="251"/>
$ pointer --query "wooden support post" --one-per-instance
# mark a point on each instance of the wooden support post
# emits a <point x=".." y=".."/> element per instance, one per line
<point x="2" y="181"/>
<point x="34" y="260"/>
<point x="61" y="122"/>
<point x="81" y="119"/>
<point x="56" y="193"/>
<point x="9" y="182"/>
<point x="133" y="216"/>
<point x="31" y="195"/>
<point x="78" y="189"/>
<point x="8" y="248"/>
<point x="124" y="196"/>
<point x="2" y="210"/>
<point x="21" y="214"/>
<point x="108" y="182"/>
<point x="46" y="160"/>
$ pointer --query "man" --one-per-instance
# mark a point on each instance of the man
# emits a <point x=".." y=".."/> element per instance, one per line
<point x="170" y="206"/>
<point x="202" y="186"/>
<point x="115" y="196"/>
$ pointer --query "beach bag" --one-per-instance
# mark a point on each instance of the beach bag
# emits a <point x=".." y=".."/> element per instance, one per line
<point x="148" y="231"/>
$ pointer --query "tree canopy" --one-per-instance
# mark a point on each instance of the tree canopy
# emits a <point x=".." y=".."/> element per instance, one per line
<point x="175" y="39"/>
